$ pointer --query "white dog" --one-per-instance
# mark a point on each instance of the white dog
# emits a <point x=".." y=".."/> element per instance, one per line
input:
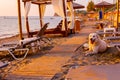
<point x="96" y="44"/>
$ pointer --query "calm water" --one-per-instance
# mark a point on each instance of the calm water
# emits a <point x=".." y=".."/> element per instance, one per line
<point x="9" y="24"/>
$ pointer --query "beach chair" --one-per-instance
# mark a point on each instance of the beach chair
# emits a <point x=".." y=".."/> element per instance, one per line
<point x="3" y="65"/>
<point x="107" y="32"/>
<point x="35" y="41"/>
<point x="113" y="41"/>
<point x="58" y="29"/>
<point x="22" y="47"/>
<point x="110" y="35"/>
<point x="115" y="44"/>
<point x="11" y="48"/>
<point x="111" y="31"/>
<point x="112" y="38"/>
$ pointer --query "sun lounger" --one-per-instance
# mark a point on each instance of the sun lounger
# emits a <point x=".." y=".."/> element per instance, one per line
<point x="100" y="32"/>
<point x="111" y="35"/>
<point x="11" y="48"/>
<point x="115" y="44"/>
<point x="35" y="41"/>
<point x="113" y="41"/>
<point x="112" y="38"/>
<point x="112" y="30"/>
<point x="58" y="30"/>
<point x="3" y="64"/>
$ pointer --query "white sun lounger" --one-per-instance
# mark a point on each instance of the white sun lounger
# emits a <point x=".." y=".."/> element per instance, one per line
<point x="112" y="38"/>
<point x="3" y="71"/>
<point x="33" y="42"/>
<point x="115" y="44"/>
<point x="21" y="46"/>
<point x="113" y="30"/>
<point x="112" y="41"/>
<point x="11" y="48"/>
<point x="3" y="64"/>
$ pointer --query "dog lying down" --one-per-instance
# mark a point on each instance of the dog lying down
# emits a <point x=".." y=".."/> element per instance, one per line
<point x="96" y="44"/>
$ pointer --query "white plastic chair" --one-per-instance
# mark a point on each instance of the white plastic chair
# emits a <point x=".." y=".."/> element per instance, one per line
<point x="110" y="31"/>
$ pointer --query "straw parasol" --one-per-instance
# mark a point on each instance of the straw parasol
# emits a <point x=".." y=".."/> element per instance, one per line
<point x="104" y="4"/>
<point x="77" y="6"/>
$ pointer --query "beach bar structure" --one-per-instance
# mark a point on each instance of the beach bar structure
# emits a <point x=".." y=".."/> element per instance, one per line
<point x="60" y="7"/>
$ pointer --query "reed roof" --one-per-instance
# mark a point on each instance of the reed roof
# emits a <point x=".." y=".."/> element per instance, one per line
<point x="77" y="6"/>
<point x="104" y="4"/>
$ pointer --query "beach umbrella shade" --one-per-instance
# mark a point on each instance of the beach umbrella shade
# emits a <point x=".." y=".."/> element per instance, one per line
<point x="77" y="6"/>
<point x="104" y="4"/>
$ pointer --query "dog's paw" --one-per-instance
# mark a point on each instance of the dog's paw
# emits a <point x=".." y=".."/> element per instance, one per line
<point x="88" y="53"/>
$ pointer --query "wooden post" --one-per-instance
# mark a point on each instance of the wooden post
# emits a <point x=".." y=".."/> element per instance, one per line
<point x="66" y="28"/>
<point x="27" y="24"/>
<point x="40" y="15"/>
<point x="19" y="19"/>
<point x="117" y="14"/>
<point x="103" y="13"/>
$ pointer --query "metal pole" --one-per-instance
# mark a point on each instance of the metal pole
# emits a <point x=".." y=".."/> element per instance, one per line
<point x="19" y="19"/>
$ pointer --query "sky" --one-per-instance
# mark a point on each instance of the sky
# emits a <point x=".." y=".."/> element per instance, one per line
<point x="9" y="7"/>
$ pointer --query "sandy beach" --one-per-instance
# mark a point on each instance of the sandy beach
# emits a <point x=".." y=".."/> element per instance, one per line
<point x="53" y="62"/>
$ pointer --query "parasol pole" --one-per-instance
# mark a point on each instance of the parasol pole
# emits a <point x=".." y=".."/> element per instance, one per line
<point x="40" y="15"/>
<point x="103" y="12"/>
<point x="117" y="14"/>
<point x="19" y="19"/>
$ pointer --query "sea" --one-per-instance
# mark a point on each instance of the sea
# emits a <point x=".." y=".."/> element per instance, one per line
<point x="9" y="24"/>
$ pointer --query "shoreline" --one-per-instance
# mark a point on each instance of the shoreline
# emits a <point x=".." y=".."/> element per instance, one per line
<point x="9" y="39"/>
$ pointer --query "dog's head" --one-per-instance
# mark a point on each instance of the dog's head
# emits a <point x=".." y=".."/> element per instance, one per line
<point x="93" y="38"/>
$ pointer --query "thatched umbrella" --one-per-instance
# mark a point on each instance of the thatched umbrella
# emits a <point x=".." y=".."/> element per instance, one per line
<point x="103" y="5"/>
<point x="77" y="6"/>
